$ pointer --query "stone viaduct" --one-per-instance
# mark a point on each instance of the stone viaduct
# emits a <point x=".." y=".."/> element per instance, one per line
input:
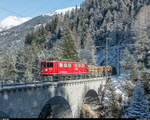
<point x="61" y="99"/>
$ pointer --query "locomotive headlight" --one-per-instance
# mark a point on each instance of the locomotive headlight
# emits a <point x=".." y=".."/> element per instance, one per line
<point x="46" y="70"/>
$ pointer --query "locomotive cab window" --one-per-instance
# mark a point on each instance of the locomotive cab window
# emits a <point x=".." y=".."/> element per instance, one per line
<point x="60" y="65"/>
<point x="69" y="65"/>
<point x="79" y="65"/>
<point x="75" y="65"/>
<point x="82" y="65"/>
<point x="43" y="64"/>
<point x="65" y="65"/>
<point x="49" y="64"/>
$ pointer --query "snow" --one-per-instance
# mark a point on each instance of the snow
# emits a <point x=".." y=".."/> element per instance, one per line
<point x="60" y="11"/>
<point x="139" y="107"/>
<point x="118" y="82"/>
<point x="37" y="26"/>
<point x="113" y="55"/>
<point x="12" y="21"/>
<point x="135" y="106"/>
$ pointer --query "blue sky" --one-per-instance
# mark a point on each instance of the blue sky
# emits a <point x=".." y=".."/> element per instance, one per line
<point x="32" y="8"/>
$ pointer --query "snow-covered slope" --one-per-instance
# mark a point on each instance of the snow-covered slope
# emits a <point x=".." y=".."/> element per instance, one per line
<point x="14" y="38"/>
<point x="60" y="11"/>
<point x="12" y="21"/>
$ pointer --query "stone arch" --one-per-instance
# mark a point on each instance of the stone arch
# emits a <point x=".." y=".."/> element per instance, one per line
<point x="90" y="105"/>
<point x="56" y="107"/>
<point x="3" y="115"/>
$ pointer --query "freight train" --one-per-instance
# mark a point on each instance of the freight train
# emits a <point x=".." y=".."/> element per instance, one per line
<point x="64" y="69"/>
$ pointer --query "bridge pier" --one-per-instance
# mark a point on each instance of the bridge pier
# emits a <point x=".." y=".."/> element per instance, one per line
<point x="75" y="113"/>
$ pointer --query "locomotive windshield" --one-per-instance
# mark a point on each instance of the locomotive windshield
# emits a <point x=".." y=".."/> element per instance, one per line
<point x="49" y="64"/>
<point x="85" y="65"/>
<point x="43" y="64"/>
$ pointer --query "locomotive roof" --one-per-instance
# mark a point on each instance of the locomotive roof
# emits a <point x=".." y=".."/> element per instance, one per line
<point x="64" y="61"/>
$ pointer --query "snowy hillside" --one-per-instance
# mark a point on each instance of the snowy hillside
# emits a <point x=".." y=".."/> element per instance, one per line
<point x="15" y="36"/>
<point x="113" y="56"/>
<point x="12" y="21"/>
<point x="60" y="11"/>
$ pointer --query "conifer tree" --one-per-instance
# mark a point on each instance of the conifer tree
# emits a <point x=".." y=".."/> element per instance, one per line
<point x="90" y="50"/>
<point x="69" y="50"/>
<point x="129" y="66"/>
<point x="114" y="108"/>
<point x="126" y="62"/>
<point x="1" y="64"/>
<point x="54" y="24"/>
<point x="138" y="105"/>
<point x="108" y="16"/>
<point x="133" y="69"/>
<point x="142" y="48"/>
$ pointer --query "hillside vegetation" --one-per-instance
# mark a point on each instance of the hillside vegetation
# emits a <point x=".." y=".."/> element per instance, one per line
<point x="81" y="35"/>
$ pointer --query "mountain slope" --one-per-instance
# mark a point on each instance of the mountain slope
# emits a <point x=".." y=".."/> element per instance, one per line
<point x="12" y="21"/>
<point x="14" y="38"/>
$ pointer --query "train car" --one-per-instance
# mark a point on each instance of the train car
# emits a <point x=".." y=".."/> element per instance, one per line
<point x="109" y="70"/>
<point x="93" y="70"/>
<point x="96" y="70"/>
<point x="100" y="70"/>
<point x="62" y="68"/>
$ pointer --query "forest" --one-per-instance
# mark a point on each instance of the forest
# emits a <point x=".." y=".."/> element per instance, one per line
<point x="81" y="35"/>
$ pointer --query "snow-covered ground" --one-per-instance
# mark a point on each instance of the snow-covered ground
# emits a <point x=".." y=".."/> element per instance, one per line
<point x="60" y="11"/>
<point x="139" y="105"/>
<point x="12" y="21"/>
<point x="119" y="81"/>
<point x="113" y="56"/>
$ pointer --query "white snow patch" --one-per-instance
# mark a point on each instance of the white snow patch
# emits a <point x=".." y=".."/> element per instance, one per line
<point x="60" y="11"/>
<point x="12" y="21"/>
<point x="118" y="82"/>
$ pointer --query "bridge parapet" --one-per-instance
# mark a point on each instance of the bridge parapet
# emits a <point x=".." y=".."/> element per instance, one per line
<point x="48" y="84"/>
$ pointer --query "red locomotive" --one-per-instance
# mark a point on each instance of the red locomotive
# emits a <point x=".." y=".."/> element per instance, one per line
<point x="59" y="68"/>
